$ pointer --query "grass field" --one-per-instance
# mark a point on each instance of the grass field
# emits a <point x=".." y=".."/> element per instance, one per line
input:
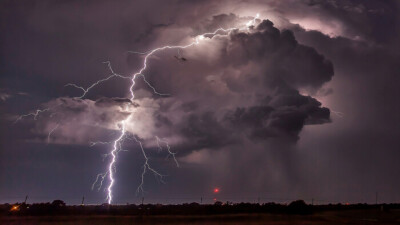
<point x="364" y="217"/>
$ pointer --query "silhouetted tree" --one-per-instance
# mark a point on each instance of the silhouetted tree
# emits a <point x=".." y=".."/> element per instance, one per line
<point x="299" y="207"/>
<point x="218" y="203"/>
<point x="58" y="203"/>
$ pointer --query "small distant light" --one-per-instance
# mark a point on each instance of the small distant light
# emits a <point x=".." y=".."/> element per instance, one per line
<point x="215" y="199"/>
<point x="15" y="208"/>
<point x="216" y="190"/>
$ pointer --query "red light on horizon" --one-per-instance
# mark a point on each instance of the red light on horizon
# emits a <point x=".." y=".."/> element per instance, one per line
<point x="216" y="190"/>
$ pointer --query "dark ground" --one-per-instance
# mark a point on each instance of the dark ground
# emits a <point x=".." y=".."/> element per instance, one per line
<point x="243" y="213"/>
<point x="330" y="217"/>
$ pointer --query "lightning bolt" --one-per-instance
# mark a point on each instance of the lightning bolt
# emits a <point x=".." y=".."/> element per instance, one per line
<point x="37" y="112"/>
<point x="51" y="132"/>
<point x="163" y="141"/>
<point x="146" y="166"/>
<point x="93" y="143"/>
<point x="99" y="178"/>
<point x="86" y="90"/>
<point x="117" y="143"/>
<point x="114" y="151"/>
<point x="337" y="113"/>
<point x="33" y="114"/>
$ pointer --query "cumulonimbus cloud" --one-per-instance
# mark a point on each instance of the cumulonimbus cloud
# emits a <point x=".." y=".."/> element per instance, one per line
<point x="243" y="86"/>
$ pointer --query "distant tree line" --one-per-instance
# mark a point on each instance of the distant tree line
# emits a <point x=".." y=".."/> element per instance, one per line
<point x="58" y="207"/>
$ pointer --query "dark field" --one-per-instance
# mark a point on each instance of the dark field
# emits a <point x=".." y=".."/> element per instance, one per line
<point x="368" y="216"/>
<point x="297" y="212"/>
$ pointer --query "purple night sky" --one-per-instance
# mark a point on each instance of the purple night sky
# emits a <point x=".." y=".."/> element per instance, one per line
<point x="302" y="105"/>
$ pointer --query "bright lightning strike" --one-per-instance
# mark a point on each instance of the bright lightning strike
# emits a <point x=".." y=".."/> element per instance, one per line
<point x="111" y="167"/>
<point x="117" y="143"/>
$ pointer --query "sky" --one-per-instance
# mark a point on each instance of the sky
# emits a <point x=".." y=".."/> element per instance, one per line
<point x="301" y="104"/>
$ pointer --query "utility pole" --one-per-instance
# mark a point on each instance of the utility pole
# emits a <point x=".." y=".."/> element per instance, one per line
<point x="83" y="200"/>
<point x="26" y="198"/>
<point x="142" y="200"/>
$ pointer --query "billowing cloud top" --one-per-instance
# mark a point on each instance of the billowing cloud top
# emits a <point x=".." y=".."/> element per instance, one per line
<point x="232" y="88"/>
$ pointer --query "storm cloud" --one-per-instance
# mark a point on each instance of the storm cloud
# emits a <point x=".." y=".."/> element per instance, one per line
<point x="246" y="88"/>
